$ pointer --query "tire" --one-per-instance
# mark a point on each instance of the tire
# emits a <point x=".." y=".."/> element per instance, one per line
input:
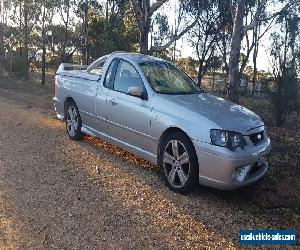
<point x="73" y="121"/>
<point x="178" y="163"/>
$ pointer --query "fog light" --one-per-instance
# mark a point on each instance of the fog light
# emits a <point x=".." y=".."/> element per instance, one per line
<point x="239" y="174"/>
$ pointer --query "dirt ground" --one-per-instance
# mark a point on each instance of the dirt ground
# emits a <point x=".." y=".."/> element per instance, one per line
<point x="51" y="195"/>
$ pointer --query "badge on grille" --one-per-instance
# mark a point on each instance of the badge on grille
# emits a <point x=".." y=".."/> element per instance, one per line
<point x="259" y="136"/>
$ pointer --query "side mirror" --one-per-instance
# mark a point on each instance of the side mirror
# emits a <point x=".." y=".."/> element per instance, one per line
<point x="137" y="92"/>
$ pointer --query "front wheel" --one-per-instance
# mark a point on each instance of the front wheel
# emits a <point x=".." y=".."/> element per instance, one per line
<point x="73" y="121"/>
<point x="178" y="161"/>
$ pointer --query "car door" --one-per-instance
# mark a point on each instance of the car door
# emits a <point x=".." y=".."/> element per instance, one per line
<point x="102" y="105"/>
<point x="128" y="116"/>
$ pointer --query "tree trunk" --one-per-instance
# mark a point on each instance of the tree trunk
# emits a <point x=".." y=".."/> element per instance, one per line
<point x="255" y="52"/>
<point x="224" y="55"/>
<point x="86" y="40"/>
<point x="2" y="52"/>
<point x="213" y="83"/>
<point x="63" y="51"/>
<point x="106" y="14"/>
<point x="237" y="36"/>
<point x="11" y="61"/>
<point x="66" y="23"/>
<point x="200" y="69"/>
<point x="144" y="37"/>
<point x="26" y="38"/>
<point x="43" y="81"/>
<point x="279" y="106"/>
<point x="19" y="42"/>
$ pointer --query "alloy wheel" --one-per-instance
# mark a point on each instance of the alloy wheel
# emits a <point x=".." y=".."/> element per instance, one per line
<point x="176" y="163"/>
<point x="72" y="121"/>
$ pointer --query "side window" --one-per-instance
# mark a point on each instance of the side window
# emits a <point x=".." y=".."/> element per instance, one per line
<point x="109" y="78"/>
<point x="127" y="76"/>
<point x="97" y="68"/>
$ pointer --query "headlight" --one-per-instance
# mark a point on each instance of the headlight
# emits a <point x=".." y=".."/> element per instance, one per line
<point x="229" y="139"/>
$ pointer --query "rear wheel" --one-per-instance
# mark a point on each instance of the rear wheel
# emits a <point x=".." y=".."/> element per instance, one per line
<point x="178" y="161"/>
<point x="73" y="121"/>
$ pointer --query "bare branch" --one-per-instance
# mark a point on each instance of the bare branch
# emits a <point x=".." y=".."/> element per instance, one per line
<point x="156" y="6"/>
<point x="172" y="39"/>
<point x="257" y="19"/>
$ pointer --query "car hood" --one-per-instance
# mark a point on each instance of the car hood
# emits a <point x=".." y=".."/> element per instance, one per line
<point x="227" y="115"/>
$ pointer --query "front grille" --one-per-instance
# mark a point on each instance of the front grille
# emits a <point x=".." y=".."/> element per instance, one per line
<point x="257" y="137"/>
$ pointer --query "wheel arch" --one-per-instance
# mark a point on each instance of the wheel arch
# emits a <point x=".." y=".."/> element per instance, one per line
<point x="68" y="100"/>
<point x="166" y="133"/>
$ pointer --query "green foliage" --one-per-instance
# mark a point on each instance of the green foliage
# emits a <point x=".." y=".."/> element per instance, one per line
<point x="115" y="33"/>
<point x="285" y="51"/>
<point x="162" y="30"/>
<point x="18" y="65"/>
<point x="286" y="98"/>
<point x="214" y="63"/>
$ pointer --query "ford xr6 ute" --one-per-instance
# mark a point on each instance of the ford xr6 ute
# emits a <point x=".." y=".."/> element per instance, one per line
<point x="151" y="108"/>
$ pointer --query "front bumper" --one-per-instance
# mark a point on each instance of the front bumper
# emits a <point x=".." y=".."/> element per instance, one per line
<point x="218" y="165"/>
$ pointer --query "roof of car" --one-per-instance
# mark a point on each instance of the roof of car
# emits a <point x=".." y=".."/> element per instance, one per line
<point x="136" y="57"/>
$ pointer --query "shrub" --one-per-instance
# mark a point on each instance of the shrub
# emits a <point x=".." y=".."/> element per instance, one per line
<point x="18" y="65"/>
<point x="285" y="99"/>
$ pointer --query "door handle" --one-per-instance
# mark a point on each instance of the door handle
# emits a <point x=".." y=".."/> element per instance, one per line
<point x="113" y="102"/>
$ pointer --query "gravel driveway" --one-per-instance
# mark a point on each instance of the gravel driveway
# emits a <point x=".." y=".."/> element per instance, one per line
<point x="51" y="195"/>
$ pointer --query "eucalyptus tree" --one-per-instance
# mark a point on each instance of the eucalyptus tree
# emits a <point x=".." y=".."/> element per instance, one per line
<point x="26" y="38"/>
<point x="238" y="33"/>
<point x="205" y="34"/>
<point x="225" y="33"/>
<point x="253" y="37"/>
<point x="4" y="7"/>
<point x="160" y="29"/>
<point x="117" y="26"/>
<point x="65" y="11"/>
<point x="285" y="54"/>
<point x="48" y="9"/>
<point x="84" y="9"/>
<point x="144" y="11"/>
<point x="213" y="65"/>
<point x="25" y="14"/>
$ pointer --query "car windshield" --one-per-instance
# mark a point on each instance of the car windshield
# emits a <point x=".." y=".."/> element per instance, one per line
<point x="165" y="78"/>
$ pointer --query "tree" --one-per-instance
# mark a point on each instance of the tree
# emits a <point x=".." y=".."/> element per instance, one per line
<point x="117" y="27"/>
<point x="86" y="9"/>
<point x="144" y="12"/>
<point x="47" y="13"/>
<point x="26" y="13"/>
<point x="205" y="33"/>
<point x="225" y="32"/>
<point x="252" y="39"/>
<point x="26" y="39"/>
<point x="2" y="23"/>
<point x="214" y="64"/>
<point x="239" y="31"/>
<point x="65" y="11"/>
<point x="286" y="61"/>
<point x="236" y="41"/>
<point x="160" y="30"/>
